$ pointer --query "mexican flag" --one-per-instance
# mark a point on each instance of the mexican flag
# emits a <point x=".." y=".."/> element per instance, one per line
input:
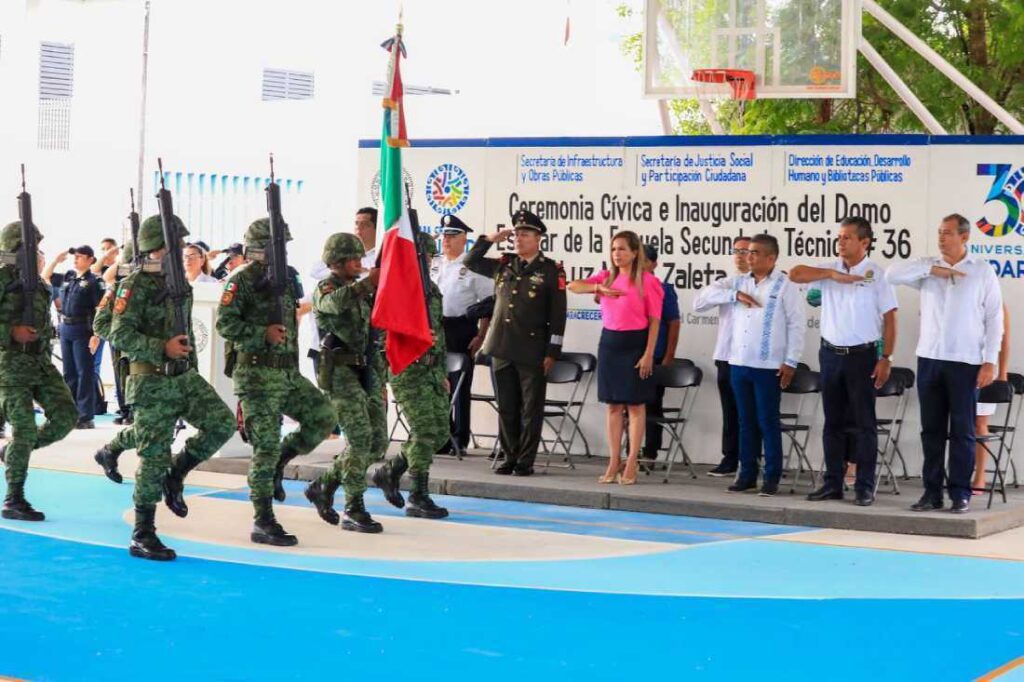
<point x="399" y="308"/>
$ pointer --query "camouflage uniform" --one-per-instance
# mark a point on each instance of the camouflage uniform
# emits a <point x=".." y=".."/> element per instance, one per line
<point x="352" y="374"/>
<point x="422" y="393"/>
<point x="27" y="374"/>
<point x="142" y="324"/>
<point x="107" y="456"/>
<point x="268" y="381"/>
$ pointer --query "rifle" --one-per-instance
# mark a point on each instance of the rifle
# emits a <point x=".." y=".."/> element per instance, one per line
<point x="172" y="265"/>
<point x="276" y="256"/>
<point x="133" y="217"/>
<point x="27" y="257"/>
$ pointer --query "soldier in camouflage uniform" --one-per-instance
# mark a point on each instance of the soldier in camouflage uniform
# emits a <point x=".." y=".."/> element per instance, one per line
<point x="163" y="385"/>
<point x="27" y="374"/>
<point x="107" y="456"/>
<point x="351" y="371"/>
<point x="268" y="381"/>
<point x="422" y="392"/>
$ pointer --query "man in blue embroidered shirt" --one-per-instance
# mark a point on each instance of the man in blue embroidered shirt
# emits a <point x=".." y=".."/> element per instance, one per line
<point x="767" y="342"/>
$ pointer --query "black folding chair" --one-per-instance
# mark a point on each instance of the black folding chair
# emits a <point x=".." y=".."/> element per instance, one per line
<point x="999" y="393"/>
<point x="888" y="428"/>
<point x="456" y="363"/>
<point x="489" y="399"/>
<point x="895" y="424"/>
<point x="687" y="378"/>
<point x="1017" y="384"/>
<point x="562" y="373"/>
<point x="791" y="416"/>
<point x="806" y="385"/>
<point x="574" y="411"/>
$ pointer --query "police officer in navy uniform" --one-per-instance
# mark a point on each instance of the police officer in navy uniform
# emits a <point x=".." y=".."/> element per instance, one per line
<point x="463" y="291"/>
<point x="78" y="292"/>
<point x="525" y="336"/>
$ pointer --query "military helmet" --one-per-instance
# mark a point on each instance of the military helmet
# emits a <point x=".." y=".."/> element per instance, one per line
<point x="428" y="244"/>
<point x="127" y="252"/>
<point x="258" y="234"/>
<point x="342" y="246"/>
<point x="10" y="236"/>
<point x="151" y="234"/>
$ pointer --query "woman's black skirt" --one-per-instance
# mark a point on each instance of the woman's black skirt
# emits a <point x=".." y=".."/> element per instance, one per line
<point x="618" y="379"/>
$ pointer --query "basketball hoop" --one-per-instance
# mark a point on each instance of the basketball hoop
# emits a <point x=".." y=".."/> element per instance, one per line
<point x="709" y="82"/>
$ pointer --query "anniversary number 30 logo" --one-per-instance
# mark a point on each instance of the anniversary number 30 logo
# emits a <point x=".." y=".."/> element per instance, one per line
<point x="447" y="188"/>
<point x="1008" y="190"/>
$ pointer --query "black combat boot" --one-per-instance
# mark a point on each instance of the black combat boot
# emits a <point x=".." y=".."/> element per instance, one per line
<point x="174" y="482"/>
<point x="420" y="504"/>
<point x="322" y="496"/>
<point x="145" y="543"/>
<point x="106" y="457"/>
<point x="388" y="476"/>
<point x="265" y="528"/>
<point x="17" y="508"/>
<point x="287" y="455"/>
<point x="357" y="518"/>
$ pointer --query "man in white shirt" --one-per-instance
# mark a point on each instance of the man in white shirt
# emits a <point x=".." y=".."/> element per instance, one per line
<point x="765" y="348"/>
<point x="957" y="351"/>
<point x="858" y="307"/>
<point x="463" y="333"/>
<point x="707" y="298"/>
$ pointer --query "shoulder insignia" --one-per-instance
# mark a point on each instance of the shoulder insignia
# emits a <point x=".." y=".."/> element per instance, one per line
<point x="123" y="294"/>
<point x="105" y="301"/>
<point x="505" y="259"/>
<point x="230" y="289"/>
<point x="326" y="287"/>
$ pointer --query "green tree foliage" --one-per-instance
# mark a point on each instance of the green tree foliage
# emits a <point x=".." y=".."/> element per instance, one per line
<point x="981" y="38"/>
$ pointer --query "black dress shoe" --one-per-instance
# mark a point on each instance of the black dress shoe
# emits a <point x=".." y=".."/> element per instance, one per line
<point x="742" y="486"/>
<point x="927" y="503"/>
<point x="722" y="471"/>
<point x="522" y="471"/>
<point x="769" y="489"/>
<point x="85" y="424"/>
<point x="825" y="492"/>
<point x="865" y="498"/>
<point x="505" y="469"/>
<point x="960" y="507"/>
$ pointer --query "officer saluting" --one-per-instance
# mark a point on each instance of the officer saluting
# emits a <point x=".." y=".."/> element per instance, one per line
<point x="525" y="337"/>
<point x="461" y="290"/>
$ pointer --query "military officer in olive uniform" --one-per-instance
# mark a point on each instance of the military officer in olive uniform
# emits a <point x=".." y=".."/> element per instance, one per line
<point x="163" y="386"/>
<point x="267" y="380"/>
<point x="350" y="369"/>
<point x="27" y="374"/>
<point x="421" y="390"/>
<point x="525" y="336"/>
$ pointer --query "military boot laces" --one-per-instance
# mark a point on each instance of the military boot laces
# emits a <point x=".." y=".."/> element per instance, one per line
<point x="17" y="508"/>
<point x="145" y="543"/>
<point x="388" y="476"/>
<point x="174" y="483"/>
<point x="267" y="531"/>
<point x="420" y="504"/>
<point x="282" y="462"/>
<point x="358" y="519"/>
<point x="107" y="459"/>
<point x="321" y="496"/>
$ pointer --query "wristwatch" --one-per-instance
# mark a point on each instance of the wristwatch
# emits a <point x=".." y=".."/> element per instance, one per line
<point x="888" y="357"/>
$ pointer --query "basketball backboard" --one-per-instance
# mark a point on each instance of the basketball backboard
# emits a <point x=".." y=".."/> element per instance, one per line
<point x="796" y="48"/>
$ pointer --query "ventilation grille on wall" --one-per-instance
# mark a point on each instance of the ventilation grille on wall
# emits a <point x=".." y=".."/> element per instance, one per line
<point x="279" y="84"/>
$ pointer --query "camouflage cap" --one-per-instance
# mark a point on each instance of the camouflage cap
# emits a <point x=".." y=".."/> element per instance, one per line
<point x="127" y="252"/>
<point x="10" y="236"/>
<point x="151" y="234"/>
<point x="342" y="246"/>
<point x="258" y="233"/>
<point x="428" y="244"/>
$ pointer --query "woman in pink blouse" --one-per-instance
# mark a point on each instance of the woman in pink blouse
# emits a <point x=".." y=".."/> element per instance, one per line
<point x="631" y="312"/>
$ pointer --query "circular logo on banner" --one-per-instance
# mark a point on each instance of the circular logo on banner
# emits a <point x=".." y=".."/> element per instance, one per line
<point x="375" y="186"/>
<point x="447" y="189"/>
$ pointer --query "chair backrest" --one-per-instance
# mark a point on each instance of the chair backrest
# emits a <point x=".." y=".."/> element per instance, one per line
<point x="456" y="362"/>
<point x="892" y="387"/>
<point x="1016" y="382"/>
<point x="564" y="372"/>
<point x="905" y="374"/>
<point x="998" y="392"/>
<point x="803" y="365"/>
<point x="682" y="362"/>
<point x="483" y="359"/>
<point x="804" y="381"/>
<point x="678" y="375"/>
<point x="586" y="361"/>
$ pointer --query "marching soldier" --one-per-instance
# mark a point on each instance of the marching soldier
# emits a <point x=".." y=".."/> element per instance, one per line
<point x="422" y="392"/>
<point x="163" y="385"/>
<point x="27" y="374"/>
<point x="525" y="337"/>
<point x="350" y="370"/>
<point x="267" y="380"/>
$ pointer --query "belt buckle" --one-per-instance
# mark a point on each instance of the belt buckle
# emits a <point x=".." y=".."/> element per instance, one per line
<point x="842" y="350"/>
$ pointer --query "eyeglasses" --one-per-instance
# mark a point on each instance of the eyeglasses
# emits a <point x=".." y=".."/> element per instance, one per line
<point x="192" y="256"/>
<point x="741" y="252"/>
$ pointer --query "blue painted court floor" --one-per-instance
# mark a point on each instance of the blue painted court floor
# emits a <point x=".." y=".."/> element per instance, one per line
<point x="688" y="598"/>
